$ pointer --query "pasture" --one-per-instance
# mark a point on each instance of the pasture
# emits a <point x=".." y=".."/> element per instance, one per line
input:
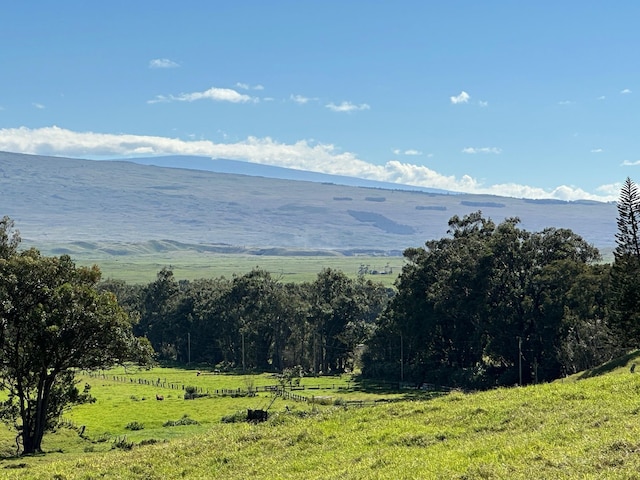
<point x="127" y="408"/>
<point x="189" y="265"/>
<point x="583" y="427"/>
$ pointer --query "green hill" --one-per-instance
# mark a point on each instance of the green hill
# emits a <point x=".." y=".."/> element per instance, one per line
<point x="585" y="427"/>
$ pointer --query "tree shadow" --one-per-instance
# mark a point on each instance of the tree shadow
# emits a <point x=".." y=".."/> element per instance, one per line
<point x="610" y="365"/>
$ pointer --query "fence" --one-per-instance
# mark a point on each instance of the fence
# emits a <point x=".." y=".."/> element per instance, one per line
<point x="238" y="392"/>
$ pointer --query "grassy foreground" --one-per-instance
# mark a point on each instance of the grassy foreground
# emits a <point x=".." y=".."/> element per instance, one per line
<point x="569" y="429"/>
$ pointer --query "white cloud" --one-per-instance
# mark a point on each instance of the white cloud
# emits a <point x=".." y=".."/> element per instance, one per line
<point x="215" y="94"/>
<point x="39" y="106"/>
<point x="347" y="107"/>
<point x="565" y="102"/>
<point x="246" y="86"/>
<point x="626" y="91"/>
<point x="299" y="99"/>
<point x="410" y="152"/>
<point x="162" y="63"/>
<point x="302" y="155"/>
<point x="597" y="150"/>
<point x="482" y="103"/>
<point x="601" y="97"/>
<point x="473" y="150"/>
<point x="629" y="163"/>
<point x="611" y="190"/>
<point x="462" y="98"/>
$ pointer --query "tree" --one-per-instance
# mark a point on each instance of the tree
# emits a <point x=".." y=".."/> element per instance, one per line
<point x="625" y="272"/>
<point x="53" y="321"/>
<point x="491" y="304"/>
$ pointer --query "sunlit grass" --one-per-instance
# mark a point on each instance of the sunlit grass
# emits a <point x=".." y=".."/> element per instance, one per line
<point x="188" y="265"/>
<point x="567" y="429"/>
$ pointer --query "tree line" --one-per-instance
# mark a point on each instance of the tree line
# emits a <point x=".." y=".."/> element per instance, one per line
<point x="254" y="321"/>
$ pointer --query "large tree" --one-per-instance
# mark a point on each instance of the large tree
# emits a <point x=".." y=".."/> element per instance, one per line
<point x="490" y="304"/>
<point x="53" y="321"/>
<point x="625" y="272"/>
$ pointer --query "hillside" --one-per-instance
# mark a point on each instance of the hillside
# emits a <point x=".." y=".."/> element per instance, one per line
<point x="57" y="201"/>
<point x="586" y="429"/>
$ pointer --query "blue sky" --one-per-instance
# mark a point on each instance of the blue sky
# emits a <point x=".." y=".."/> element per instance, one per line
<point x="526" y="99"/>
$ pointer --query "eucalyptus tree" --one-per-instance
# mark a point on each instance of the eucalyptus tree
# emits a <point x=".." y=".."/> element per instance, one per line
<point x="334" y="304"/>
<point x="486" y="305"/>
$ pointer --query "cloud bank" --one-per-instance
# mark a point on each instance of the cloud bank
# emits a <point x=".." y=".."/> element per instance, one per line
<point x="302" y="155"/>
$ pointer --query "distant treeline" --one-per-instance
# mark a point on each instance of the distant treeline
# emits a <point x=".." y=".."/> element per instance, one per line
<point x="254" y="321"/>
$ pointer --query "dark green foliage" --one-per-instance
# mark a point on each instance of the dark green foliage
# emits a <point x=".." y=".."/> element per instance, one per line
<point x="625" y="273"/>
<point x="254" y="321"/>
<point x="191" y="393"/>
<point x="491" y="303"/>
<point x="134" y="426"/>
<point x="185" y="420"/>
<point x="122" y="443"/>
<point x="52" y="322"/>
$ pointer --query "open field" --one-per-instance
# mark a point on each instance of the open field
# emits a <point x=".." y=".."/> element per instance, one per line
<point x="575" y="428"/>
<point x="192" y="265"/>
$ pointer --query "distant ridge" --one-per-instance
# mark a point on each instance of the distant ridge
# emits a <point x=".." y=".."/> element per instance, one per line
<point x="220" y="165"/>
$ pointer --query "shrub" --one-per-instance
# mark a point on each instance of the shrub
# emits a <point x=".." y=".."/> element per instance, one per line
<point x="239" y="416"/>
<point x="122" y="443"/>
<point x="134" y="426"/>
<point x="185" y="420"/>
<point x="191" y="392"/>
<point x="148" y="441"/>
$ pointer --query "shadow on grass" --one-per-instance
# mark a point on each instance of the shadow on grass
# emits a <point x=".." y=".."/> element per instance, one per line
<point x="379" y="387"/>
<point x="610" y="365"/>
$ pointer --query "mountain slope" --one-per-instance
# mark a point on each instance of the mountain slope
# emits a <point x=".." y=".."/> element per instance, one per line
<point x="56" y="200"/>
<point x="220" y="165"/>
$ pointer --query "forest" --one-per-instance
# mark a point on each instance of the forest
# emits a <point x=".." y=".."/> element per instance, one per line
<point x="487" y="305"/>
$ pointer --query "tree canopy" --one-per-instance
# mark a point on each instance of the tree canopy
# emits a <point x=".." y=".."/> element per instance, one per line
<point x="53" y="321"/>
<point x="490" y="304"/>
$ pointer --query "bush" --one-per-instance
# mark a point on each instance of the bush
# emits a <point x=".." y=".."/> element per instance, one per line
<point x="122" y="443"/>
<point x="239" y="416"/>
<point x="191" y="392"/>
<point x="185" y="420"/>
<point x="134" y="426"/>
<point x="148" y="441"/>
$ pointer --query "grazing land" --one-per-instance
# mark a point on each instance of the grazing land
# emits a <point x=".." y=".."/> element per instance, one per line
<point x="189" y="265"/>
<point x="586" y="426"/>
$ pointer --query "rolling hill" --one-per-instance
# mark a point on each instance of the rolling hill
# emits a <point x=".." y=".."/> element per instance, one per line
<point x="58" y="201"/>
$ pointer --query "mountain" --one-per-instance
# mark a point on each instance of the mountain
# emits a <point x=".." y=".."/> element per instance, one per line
<point x="221" y="165"/>
<point x="57" y="200"/>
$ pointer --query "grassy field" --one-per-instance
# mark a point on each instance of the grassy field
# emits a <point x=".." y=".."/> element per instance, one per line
<point x="587" y="428"/>
<point x="190" y="265"/>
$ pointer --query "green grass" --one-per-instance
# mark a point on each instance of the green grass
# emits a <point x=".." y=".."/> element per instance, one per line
<point x="588" y="429"/>
<point x="190" y="265"/>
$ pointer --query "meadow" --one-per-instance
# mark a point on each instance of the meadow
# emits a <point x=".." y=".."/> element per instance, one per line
<point x="189" y="265"/>
<point x="584" y="427"/>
